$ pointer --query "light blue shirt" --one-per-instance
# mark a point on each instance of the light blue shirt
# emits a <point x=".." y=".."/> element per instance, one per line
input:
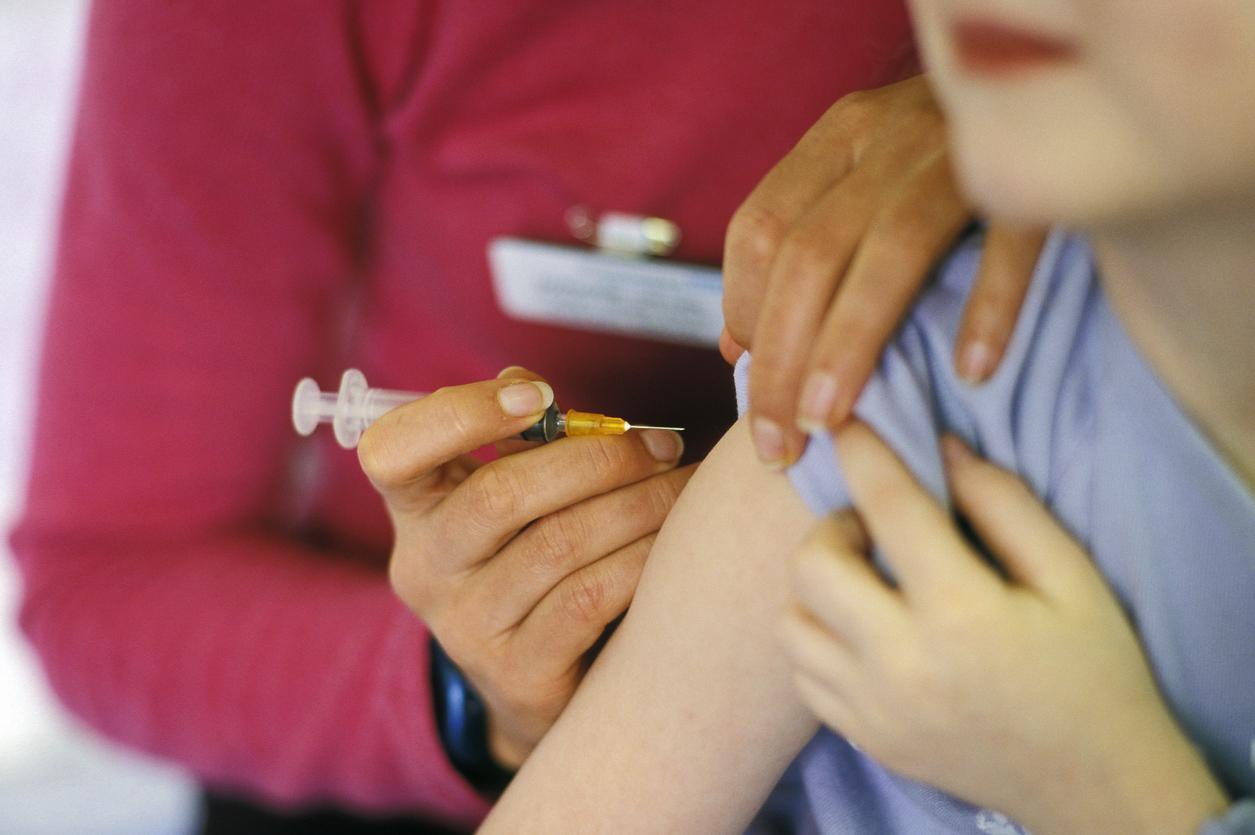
<point x="1077" y="413"/>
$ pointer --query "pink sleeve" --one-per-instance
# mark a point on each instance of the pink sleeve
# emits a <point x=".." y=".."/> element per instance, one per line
<point x="222" y="160"/>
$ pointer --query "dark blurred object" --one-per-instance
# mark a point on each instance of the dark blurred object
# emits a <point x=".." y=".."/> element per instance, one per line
<point x="227" y="815"/>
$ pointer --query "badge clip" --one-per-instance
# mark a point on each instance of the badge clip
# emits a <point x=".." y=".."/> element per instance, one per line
<point x="622" y="233"/>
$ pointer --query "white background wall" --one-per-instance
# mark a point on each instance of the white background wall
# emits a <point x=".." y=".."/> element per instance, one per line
<point x="55" y="778"/>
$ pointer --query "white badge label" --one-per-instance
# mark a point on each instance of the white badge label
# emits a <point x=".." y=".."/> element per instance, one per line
<point x="562" y="285"/>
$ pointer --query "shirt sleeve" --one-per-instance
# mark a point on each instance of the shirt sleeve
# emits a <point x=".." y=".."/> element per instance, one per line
<point x="902" y="402"/>
<point x="211" y="221"/>
<point x="915" y="395"/>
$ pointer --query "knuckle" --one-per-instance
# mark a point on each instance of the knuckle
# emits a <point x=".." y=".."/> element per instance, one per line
<point x="908" y="108"/>
<point x="556" y="541"/>
<point x="856" y="107"/>
<point x="583" y="597"/>
<point x="808" y="255"/>
<point x="755" y="234"/>
<point x="649" y="502"/>
<point x="494" y="494"/>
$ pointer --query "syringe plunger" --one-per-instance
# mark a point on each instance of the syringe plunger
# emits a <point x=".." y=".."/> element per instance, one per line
<point x="349" y="411"/>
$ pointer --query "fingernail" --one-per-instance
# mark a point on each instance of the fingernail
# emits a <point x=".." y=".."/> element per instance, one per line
<point x="819" y="395"/>
<point x="510" y="371"/>
<point x="975" y="362"/>
<point x="664" y="446"/>
<point x="522" y="399"/>
<point x="954" y="450"/>
<point x="768" y="442"/>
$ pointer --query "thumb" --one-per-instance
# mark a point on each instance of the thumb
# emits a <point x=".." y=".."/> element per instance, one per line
<point x="1014" y="525"/>
<point x="509" y="446"/>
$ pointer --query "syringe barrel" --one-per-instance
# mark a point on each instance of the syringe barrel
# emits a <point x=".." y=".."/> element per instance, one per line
<point x="379" y="402"/>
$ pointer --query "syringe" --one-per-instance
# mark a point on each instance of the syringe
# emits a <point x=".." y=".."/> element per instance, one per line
<point x="356" y="406"/>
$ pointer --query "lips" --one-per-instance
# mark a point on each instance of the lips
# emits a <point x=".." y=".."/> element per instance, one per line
<point x="989" y="48"/>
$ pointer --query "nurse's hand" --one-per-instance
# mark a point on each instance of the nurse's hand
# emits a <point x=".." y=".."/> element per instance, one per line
<point x="829" y="251"/>
<point x="518" y="565"/>
<point x="1024" y="690"/>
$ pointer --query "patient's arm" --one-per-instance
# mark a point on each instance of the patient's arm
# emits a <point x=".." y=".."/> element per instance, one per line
<point x="688" y="718"/>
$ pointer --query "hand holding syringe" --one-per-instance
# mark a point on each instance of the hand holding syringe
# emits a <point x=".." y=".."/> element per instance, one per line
<point x="356" y="406"/>
<point x="517" y="563"/>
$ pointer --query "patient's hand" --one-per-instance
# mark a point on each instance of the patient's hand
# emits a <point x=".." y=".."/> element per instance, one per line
<point x="1028" y="694"/>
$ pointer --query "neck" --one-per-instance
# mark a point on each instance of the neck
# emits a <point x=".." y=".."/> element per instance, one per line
<point x="1184" y="288"/>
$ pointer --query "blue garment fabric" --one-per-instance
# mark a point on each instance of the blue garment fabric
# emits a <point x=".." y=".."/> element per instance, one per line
<point x="1079" y="415"/>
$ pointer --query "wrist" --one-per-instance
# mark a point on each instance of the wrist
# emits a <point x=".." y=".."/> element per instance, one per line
<point x="1157" y="783"/>
<point x="1169" y="788"/>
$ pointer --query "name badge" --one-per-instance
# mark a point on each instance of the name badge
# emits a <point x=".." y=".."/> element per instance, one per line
<point x="607" y="292"/>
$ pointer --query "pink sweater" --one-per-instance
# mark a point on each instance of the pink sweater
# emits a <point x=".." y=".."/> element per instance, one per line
<point x="260" y="191"/>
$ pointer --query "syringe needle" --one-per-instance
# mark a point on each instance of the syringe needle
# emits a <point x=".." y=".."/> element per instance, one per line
<point x="646" y="426"/>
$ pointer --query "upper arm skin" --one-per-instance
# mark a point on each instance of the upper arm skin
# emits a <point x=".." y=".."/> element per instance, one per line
<point x="688" y="718"/>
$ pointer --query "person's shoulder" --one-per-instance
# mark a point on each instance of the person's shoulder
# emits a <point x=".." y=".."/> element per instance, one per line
<point x="1015" y="417"/>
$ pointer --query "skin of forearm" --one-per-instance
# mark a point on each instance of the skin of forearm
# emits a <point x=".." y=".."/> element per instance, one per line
<point x="689" y="717"/>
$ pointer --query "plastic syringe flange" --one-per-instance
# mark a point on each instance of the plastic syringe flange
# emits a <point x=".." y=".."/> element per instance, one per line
<point x="349" y="411"/>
